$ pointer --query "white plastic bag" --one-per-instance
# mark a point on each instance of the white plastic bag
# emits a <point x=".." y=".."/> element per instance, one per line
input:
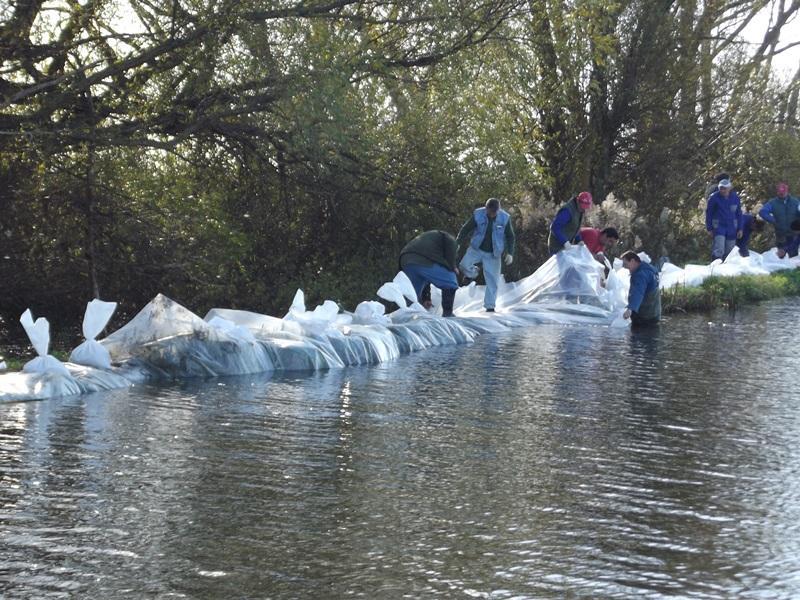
<point x="232" y="329"/>
<point x="39" y="335"/>
<point x="3" y="366"/>
<point x="91" y="353"/>
<point x="314" y="322"/>
<point x="400" y="289"/>
<point x="391" y="292"/>
<point x="371" y="312"/>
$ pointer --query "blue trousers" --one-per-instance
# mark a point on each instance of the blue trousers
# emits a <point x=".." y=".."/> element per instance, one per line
<point x="491" y="272"/>
<point x="436" y="275"/>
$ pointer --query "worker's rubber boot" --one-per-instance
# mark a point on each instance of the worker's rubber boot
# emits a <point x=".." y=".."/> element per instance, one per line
<point x="448" y="296"/>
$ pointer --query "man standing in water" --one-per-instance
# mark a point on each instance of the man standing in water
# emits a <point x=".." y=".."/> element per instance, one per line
<point x="491" y="234"/>
<point x="430" y="258"/>
<point x="781" y="210"/>
<point x="644" y="296"/>
<point x="723" y="219"/>
<point x="566" y="225"/>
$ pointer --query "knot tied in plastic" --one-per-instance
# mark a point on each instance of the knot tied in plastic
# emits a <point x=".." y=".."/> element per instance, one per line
<point x="91" y="353"/>
<point x="39" y="334"/>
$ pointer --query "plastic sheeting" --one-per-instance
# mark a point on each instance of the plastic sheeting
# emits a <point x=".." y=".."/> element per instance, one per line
<point x="167" y="341"/>
<point x="567" y="289"/>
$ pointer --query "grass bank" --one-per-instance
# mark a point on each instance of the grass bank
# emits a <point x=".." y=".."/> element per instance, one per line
<point x="731" y="292"/>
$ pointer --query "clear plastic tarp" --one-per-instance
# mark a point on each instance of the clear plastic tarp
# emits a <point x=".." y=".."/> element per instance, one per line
<point x="166" y="341"/>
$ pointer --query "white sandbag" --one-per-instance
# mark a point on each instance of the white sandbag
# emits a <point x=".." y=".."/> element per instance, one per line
<point x="313" y="322"/>
<point x="91" y="353"/>
<point x="174" y="342"/>
<point x="232" y="329"/>
<point x="39" y="335"/>
<point x="257" y="323"/>
<point x="391" y="292"/>
<point x="3" y="366"/>
<point x="370" y="312"/>
<point x="398" y="290"/>
<point x="405" y="286"/>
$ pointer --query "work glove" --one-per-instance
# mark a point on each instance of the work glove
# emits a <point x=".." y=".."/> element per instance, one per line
<point x="509" y="259"/>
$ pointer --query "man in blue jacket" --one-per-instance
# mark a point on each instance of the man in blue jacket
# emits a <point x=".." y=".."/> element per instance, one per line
<point x="723" y="219"/>
<point x="793" y="245"/>
<point x="566" y="226"/>
<point x="781" y="210"/>
<point x="644" y="295"/>
<point x="491" y="235"/>
<point x="749" y="224"/>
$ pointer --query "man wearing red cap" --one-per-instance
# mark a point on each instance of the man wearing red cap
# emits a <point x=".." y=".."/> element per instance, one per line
<point x="566" y="226"/>
<point x="781" y="210"/>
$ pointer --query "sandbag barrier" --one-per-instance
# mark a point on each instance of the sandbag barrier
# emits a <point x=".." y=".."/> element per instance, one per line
<point x="166" y="341"/>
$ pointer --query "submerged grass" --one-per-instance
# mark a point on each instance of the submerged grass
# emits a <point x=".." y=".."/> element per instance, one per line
<point x="730" y="292"/>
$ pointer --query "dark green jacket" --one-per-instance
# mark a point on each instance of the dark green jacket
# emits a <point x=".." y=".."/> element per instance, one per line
<point x="429" y="248"/>
<point x="781" y="213"/>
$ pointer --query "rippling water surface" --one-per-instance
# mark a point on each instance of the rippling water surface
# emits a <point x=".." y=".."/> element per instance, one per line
<point x="546" y="462"/>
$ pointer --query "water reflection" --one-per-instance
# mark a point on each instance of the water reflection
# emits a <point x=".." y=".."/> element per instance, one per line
<point x="546" y="462"/>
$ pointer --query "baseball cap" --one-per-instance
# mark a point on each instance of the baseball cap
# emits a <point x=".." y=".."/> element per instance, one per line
<point x="585" y="200"/>
<point x="725" y="183"/>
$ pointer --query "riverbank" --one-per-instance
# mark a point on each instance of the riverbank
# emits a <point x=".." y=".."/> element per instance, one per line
<point x="730" y="292"/>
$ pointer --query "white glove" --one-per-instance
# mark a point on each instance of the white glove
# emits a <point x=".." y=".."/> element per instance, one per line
<point x="509" y="259"/>
<point x="567" y="245"/>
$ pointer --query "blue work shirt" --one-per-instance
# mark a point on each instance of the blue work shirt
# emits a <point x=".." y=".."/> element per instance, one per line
<point x="560" y="221"/>
<point x="723" y="214"/>
<point x="747" y="231"/>
<point x="644" y="281"/>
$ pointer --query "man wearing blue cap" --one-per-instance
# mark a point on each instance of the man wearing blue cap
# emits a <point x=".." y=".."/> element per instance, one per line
<point x="723" y="219"/>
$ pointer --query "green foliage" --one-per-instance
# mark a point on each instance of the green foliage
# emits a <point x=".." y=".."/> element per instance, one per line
<point x="227" y="153"/>
<point x="731" y="292"/>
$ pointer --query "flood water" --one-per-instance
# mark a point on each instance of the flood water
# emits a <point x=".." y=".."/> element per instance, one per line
<point x="547" y="462"/>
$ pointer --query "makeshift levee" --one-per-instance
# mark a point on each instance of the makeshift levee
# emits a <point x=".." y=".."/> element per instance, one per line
<point x="166" y="341"/>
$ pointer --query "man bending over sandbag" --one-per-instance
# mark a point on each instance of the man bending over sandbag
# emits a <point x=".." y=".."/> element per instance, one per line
<point x="430" y="258"/>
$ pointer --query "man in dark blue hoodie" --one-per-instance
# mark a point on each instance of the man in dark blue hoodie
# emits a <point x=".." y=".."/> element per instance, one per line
<point x="644" y="295"/>
<point x="749" y="224"/>
<point x="723" y="219"/>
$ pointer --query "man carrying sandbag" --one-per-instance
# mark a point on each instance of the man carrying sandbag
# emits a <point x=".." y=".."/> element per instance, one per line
<point x="430" y="259"/>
